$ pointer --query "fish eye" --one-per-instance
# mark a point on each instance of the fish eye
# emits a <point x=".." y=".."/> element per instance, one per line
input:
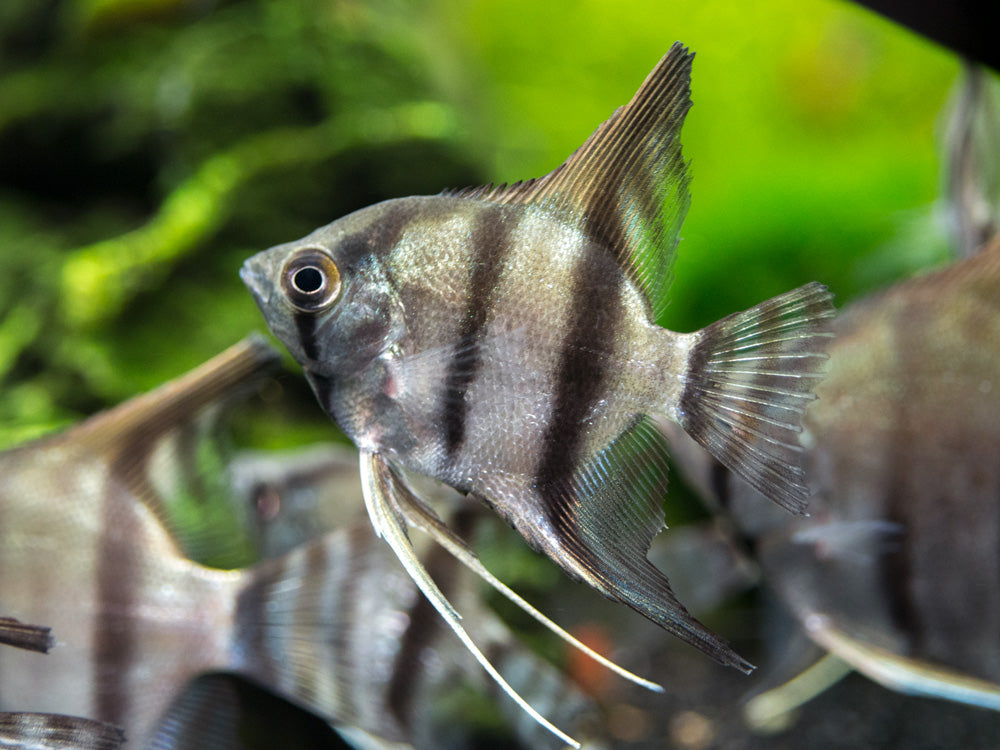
<point x="311" y="281"/>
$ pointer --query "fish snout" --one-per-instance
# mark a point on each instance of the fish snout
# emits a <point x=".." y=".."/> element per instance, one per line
<point x="255" y="279"/>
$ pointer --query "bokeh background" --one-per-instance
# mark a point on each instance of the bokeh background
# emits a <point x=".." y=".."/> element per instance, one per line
<point x="147" y="147"/>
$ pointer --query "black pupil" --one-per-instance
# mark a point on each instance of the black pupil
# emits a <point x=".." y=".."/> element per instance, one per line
<point x="308" y="279"/>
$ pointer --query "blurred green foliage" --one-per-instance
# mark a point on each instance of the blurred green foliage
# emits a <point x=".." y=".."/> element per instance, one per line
<point x="148" y="146"/>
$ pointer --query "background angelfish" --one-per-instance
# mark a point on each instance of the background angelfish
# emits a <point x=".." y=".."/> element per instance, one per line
<point x="94" y="546"/>
<point x="502" y="340"/>
<point x="894" y="571"/>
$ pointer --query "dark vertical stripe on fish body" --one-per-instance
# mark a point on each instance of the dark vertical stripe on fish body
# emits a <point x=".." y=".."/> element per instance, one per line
<point x="720" y="482"/>
<point x="490" y="248"/>
<point x="896" y="570"/>
<point x="323" y="388"/>
<point x="114" y="645"/>
<point x="384" y="234"/>
<point x="593" y="316"/>
<point x="401" y="691"/>
<point x="251" y="617"/>
<point x="305" y="324"/>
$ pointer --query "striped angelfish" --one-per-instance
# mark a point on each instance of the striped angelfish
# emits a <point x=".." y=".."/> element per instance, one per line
<point x="503" y="341"/>
<point x="94" y="548"/>
<point x="895" y="571"/>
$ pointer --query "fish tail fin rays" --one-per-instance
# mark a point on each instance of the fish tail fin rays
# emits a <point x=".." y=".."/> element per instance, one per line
<point x="380" y="490"/>
<point x="34" y="731"/>
<point x="205" y="714"/>
<point x="627" y="186"/>
<point x="30" y="637"/>
<point x="297" y="626"/>
<point x="750" y="377"/>
<point x="605" y="518"/>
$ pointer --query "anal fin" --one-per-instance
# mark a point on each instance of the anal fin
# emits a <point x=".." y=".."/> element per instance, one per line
<point x="605" y="518"/>
<point x="421" y="515"/>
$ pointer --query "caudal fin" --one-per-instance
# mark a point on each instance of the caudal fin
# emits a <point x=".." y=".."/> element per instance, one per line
<point x="750" y="377"/>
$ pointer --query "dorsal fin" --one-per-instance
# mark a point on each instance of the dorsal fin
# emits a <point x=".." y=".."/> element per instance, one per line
<point x="626" y="187"/>
<point x="162" y="447"/>
<point x="173" y="403"/>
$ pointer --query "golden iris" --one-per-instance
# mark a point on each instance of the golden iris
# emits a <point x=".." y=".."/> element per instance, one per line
<point x="311" y="281"/>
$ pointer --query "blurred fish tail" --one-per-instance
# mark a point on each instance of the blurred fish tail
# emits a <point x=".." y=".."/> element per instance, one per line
<point x="750" y="376"/>
<point x="302" y="627"/>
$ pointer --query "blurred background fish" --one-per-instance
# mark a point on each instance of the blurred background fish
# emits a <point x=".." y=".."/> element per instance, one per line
<point x="21" y="635"/>
<point x="35" y="731"/>
<point x="92" y="522"/>
<point x="25" y="730"/>
<point x="889" y="572"/>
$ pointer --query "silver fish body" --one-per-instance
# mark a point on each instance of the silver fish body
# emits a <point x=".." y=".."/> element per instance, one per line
<point x="894" y="571"/>
<point x="86" y="550"/>
<point x="94" y="548"/>
<point x="502" y="340"/>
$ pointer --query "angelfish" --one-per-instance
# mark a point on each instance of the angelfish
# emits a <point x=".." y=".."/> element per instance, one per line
<point x="894" y="572"/>
<point x="503" y="341"/>
<point x="97" y="521"/>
